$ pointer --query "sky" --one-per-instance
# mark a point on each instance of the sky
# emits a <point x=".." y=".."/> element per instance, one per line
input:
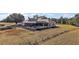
<point x="50" y="15"/>
<point x="49" y="8"/>
<point x="36" y="6"/>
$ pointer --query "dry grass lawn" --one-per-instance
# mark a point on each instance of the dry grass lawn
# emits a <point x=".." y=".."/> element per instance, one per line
<point x="69" y="38"/>
<point x="24" y="36"/>
<point x="3" y="23"/>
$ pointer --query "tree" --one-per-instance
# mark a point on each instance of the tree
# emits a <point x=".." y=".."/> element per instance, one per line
<point x="15" y="18"/>
<point x="60" y="20"/>
<point x="35" y="17"/>
<point x="54" y="19"/>
<point x="77" y="15"/>
<point x="73" y="21"/>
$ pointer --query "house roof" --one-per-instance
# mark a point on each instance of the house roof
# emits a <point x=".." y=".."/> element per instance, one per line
<point x="43" y="20"/>
<point x="39" y="20"/>
<point x="29" y="21"/>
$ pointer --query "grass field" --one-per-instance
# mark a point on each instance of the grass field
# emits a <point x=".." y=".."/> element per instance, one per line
<point x="47" y="36"/>
<point x="3" y="23"/>
<point x="69" y="38"/>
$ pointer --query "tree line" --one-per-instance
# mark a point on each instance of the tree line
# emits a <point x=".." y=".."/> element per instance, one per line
<point x="17" y="17"/>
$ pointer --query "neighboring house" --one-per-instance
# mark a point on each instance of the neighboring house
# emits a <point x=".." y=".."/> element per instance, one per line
<point x="38" y="23"/>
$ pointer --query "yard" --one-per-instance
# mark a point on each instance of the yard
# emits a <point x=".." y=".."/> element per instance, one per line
<point x="70" y="38"/>
<point x="48" y="36"/>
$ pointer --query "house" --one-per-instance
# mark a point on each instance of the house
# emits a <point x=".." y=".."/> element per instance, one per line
<point x="38" y="23"/>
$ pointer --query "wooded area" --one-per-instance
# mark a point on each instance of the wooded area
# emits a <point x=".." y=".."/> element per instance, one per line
<point x="15" y="17"/>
